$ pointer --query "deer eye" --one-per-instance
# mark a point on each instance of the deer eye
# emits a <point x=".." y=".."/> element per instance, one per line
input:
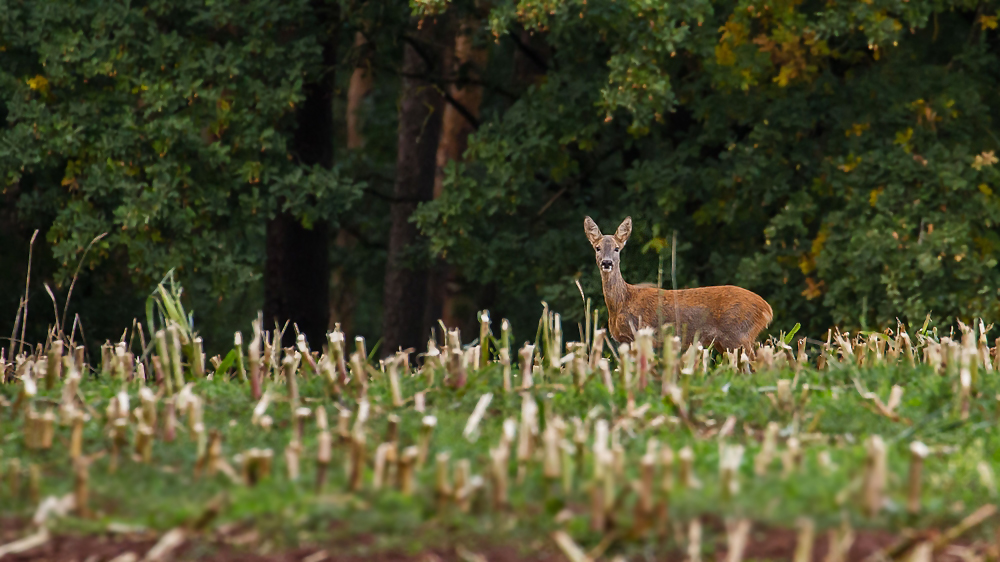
<point x="597" y="248"/>
<point x="616" y="249"/>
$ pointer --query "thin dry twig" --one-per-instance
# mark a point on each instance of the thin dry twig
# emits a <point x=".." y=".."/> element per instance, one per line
<point x="76" y="274"/>
<point x="972" y="520"/>
<point x="24" y="302"/>
<point x="55" y="308"/>
<point x="27" y="543"/>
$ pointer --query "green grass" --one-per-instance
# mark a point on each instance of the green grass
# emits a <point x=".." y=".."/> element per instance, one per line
<point x="830" y="418"/>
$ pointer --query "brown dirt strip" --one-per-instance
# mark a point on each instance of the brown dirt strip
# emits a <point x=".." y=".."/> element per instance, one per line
<point x="242" y="544"/>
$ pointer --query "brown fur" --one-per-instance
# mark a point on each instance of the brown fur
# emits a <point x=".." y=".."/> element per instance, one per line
<point x="726" y="317"/>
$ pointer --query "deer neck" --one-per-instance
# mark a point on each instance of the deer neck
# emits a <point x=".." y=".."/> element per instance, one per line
<point x="616" y="290"/>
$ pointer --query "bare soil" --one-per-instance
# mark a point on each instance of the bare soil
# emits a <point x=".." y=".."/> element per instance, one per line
<point x="243" y="544"/>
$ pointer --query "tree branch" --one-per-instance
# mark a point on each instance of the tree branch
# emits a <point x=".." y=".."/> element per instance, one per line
<point x="531" y="54"/>
<point x="356" y="233"/>
<point x="459" y="107"/>
<point x="441" y="81"/>
<point x="429" y="63"/>
<point x="392" y="199"/>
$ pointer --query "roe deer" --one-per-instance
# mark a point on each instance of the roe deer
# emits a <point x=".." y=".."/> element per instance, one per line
<point x="726" y="317"/>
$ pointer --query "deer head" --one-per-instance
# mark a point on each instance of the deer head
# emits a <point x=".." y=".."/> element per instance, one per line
<point x="607" y="248"/>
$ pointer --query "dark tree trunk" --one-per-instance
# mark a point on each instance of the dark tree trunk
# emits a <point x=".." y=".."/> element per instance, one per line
<point x="405" y="297"/>
<point x="461" y="60"/>
<point x="532" y="57"/>
<point x="357" y="91"/>
<point x="344" y="284"/>
<point x="297" y="270"/>
<point x="296" y="281"/>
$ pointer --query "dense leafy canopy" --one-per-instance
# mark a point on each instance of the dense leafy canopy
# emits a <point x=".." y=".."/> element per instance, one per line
<point x="164" y="120"/>
<point x="164" y="124"/>
<point x="836" y="157"/>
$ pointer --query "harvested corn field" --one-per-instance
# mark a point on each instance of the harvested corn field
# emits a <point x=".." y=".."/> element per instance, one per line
<point x="870" y="446"/>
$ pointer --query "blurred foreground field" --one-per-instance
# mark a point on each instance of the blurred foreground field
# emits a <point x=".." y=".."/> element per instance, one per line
<point x="869" y="446"/>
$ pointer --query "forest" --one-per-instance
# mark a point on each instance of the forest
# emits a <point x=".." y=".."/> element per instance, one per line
<point x="383" y="165"/>
<point x="311" y="280"/>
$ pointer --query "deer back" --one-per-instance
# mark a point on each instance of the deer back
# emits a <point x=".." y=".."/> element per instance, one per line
<point x="725" y="316"/>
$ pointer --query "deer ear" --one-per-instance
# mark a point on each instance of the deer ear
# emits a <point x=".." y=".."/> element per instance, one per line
<point x="624" y="231"/>
<point x="590" y="228"/>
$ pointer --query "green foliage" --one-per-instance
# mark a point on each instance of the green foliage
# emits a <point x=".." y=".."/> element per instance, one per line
<point x="838" y="159"/>
<point x="165" y="124"/>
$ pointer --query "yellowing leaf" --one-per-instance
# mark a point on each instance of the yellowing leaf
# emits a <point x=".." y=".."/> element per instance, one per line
<point x="807" y="264"/>
<point x="819" y="48"/>
<point x="724" y="55"/>
<point x="819" y="241"/>
<point x="788" y="72"/>
<point x="903" y="139"/>
<point x="813" y="289"/>
<point x="857" y="129"/>
<point x="638" y="131"/>
<point x="984" y="159"/>
<point x="733" y="32"/>
<point x="988" y="22"/>
<point x="851" y="163"/>
<point x="985" y="189"/>
<point x="873" y="196"/>
<point x="39" y="83"/>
